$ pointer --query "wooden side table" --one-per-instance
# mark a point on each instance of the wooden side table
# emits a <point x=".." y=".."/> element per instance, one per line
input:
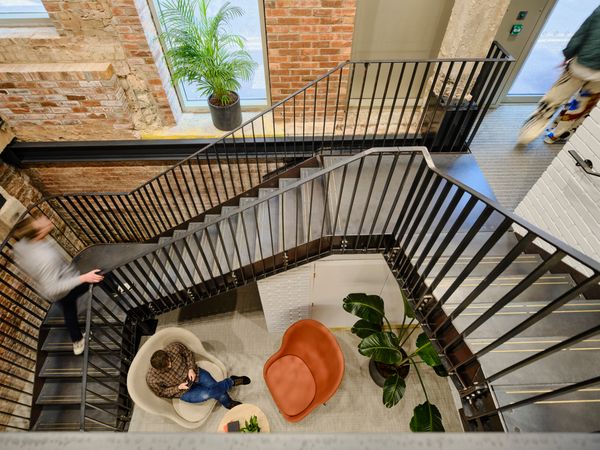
<point x="242" y="413"/>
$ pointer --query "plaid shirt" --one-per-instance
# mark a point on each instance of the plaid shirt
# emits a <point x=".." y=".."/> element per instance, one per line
<point x="164" y="383"/>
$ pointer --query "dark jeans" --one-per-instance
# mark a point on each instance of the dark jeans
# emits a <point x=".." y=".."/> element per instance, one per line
<point x="206" y="387"/>
<point x="69" y="306"/>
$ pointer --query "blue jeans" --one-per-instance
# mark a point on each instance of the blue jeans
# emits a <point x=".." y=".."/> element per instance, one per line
<point x="206" y="387"/>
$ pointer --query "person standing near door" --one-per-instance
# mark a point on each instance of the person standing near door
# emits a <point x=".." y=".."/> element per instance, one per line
<point x="577" y="90"/>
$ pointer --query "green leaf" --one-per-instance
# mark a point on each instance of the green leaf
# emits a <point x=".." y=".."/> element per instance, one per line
<point x="382" y="347"/>
<point x="202" y="49"/>
<point x="440" y="371"/>
<point x="364" y="328"/>
<point x="426" y="351"/>
<point x="407" y="308"/>
<point x="368" y="307"/>
<point x="393" y="390"/>
<point x="426" y="417"/>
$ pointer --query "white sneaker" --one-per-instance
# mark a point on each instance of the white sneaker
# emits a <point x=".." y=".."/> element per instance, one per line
<point x="79" y="346"/>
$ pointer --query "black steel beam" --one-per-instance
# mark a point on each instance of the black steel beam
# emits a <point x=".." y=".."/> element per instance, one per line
<point x="163" y="149"/>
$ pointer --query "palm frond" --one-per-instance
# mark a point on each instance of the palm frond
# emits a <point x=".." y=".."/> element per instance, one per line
<point x="200" y="49"/>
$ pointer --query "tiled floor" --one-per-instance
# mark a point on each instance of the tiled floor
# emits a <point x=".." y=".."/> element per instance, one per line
<point x="510" y="169"/>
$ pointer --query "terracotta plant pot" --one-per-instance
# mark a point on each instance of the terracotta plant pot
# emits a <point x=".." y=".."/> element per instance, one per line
<point x="228" y="117"/>
<point x="380" y="372"/>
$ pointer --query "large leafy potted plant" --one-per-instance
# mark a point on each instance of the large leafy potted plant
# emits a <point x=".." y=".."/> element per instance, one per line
<point x="389" y="359"/>
<point x="200" y="49"/>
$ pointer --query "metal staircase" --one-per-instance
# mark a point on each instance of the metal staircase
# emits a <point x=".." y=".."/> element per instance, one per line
<point x="513" y="321"/>
<point x="472" y="280"/>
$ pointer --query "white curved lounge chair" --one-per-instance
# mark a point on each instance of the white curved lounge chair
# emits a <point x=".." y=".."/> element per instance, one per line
<point x="185" y="414"/>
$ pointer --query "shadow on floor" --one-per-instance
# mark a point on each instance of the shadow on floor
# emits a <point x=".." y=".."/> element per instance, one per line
<point x="244" y="299"/>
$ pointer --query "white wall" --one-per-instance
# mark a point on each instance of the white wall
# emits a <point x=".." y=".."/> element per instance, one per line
<point x="393" y="29"/>
<point x="565" y="201"/>
<point x="316" y="291"/>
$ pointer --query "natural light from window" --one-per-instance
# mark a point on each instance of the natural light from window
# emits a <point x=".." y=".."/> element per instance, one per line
<point x="542" y="66"/>
<point x="253" y="92"/>
<point x="22" y="9"/>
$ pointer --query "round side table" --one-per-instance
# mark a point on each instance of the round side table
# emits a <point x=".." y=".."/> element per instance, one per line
<point x="242" y="413"/>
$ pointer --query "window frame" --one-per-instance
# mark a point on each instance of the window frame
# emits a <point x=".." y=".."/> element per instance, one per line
<point x="251" y="105"/>
<point x="25" y="19"/>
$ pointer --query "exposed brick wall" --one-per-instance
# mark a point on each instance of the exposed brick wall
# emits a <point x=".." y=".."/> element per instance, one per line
<point x="565" y="201"/>
<point x="123" y="176"/>
<point x="95" y="177"/>
<point x="66" y="100"/>
<point x="306" y="38"/>
<point x="102" y="31"/>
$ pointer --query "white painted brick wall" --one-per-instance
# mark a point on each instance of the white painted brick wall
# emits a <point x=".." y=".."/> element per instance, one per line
<point x="565" y="201"/>
<point x="285" y="297"/>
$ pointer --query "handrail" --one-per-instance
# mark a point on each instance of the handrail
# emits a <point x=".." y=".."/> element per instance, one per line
<point x="518" y="220"/>
<point x="435" y="103"/>
<point x="585" y="164"/>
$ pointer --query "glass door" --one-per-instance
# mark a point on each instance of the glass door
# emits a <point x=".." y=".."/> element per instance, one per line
<point x="541" y="68"/>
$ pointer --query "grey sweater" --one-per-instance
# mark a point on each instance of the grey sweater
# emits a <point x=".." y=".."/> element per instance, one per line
<point x="42" y="261"/>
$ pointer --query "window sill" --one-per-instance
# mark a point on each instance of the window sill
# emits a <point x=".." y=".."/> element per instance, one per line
<point x="28" y="33"/>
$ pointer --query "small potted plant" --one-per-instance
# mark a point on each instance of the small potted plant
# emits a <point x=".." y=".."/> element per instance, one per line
<point x="390" y="362"/>
<point x="200" y="49"/>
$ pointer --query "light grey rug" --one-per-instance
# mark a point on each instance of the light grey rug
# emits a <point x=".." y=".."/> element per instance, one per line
<point x="241" y="341"/>
<point x="509" y="168"/>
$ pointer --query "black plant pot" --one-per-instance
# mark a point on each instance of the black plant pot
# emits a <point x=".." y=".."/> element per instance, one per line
<point x="226" y="118"/>
<point x="380" y="372"/>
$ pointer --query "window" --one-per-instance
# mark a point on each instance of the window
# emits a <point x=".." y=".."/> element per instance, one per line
<point x="28" y="13"/>
<point x="252" y="93"/>
<point x="541" y="68"/>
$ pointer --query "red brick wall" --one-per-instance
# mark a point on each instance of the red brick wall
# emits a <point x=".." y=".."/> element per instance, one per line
<point x="102" y="31"/>
<point x="306" y="38"/>
<point x="73" y="99"/>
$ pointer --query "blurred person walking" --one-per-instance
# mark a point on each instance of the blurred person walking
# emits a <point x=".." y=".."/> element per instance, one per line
<point x="577" y="89"/>
<point x="54" y="277"/>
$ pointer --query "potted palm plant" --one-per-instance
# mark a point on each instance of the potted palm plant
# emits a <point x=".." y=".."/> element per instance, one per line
<point x="390" y="361"/>
<point x="201" y="49"/>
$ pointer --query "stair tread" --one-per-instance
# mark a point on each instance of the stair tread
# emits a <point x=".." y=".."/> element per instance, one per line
<point x="66" y="418"/>
<point x="55" y="314"/>
<point x="56" y="391"/>
<point x="293" y="225"/>
<point x="350" y="204"/>
<point x="246" y="231"/>
<point x="577" y="411"/>
<point x="210" y="244"/>
<point x="226" y="252"/>
<point x="575" y="317"/>
<point x="58" y="340"/>
<point x="577" y="363"/>
<point x="316" y="216"/>
<point x="58" y="365"/>
<point x="268" y="222"/>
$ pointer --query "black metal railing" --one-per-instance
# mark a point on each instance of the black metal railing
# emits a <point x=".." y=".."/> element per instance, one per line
<point x="22" y="311"/>
<point x="433" y="231"/>
<point x="437" y="103"/>
<point x="358" y="105"/>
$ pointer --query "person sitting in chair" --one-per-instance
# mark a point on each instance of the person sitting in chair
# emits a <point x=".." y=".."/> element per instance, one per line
<point x="174" y="374"/>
